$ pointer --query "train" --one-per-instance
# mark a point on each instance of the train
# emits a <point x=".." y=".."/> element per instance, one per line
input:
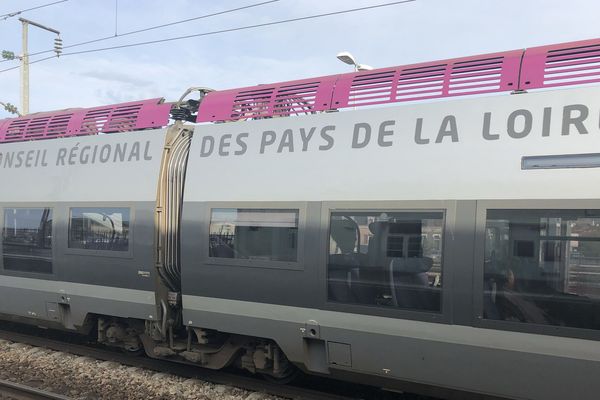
<point x="431" y="228"/>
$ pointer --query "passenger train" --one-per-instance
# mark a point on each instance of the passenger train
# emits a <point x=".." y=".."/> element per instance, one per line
<point x="433" y="228"/>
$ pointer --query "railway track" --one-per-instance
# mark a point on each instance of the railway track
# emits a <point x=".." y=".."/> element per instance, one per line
<point x="19" y="391"/>
<point x="75" y="345"/>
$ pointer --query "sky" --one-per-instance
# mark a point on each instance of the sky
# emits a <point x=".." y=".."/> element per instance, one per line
<point x="418" y="31"/>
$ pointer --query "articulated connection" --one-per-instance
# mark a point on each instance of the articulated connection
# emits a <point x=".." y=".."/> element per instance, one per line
<point x="167" y="221"/>
<point x="188" y="110"/>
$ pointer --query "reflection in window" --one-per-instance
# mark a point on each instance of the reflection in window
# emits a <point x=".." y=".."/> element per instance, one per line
<point x="543" y="267"/>
<point x="99" y="229"/>
<point x="389" y="259"/>
<point x="254" y="234"/>
<point x="27" y="239"/>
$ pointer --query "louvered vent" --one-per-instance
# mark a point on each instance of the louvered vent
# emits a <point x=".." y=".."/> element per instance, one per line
<point x="94" y="121"/>
<point x="143" y="114"/>
<point x="58" y="125"/>
<point x="16" y="130"/>
<point x="421" y="82"/>
<point x="123" y="118"/>
<point x="110" y="119"/>
<point x="572" y="65"/>
<point x="371" y="88"/>
<point x="476" y="76"/>
<point x="295" y="99"/>
<point x="38" y="128"/>
<point x="489" y="73"/>
<point x="252" y="103"/>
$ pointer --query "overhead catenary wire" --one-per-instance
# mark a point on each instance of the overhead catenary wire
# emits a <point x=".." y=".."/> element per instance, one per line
<point x="235" y="29"/>
<point x="15" y="13"/>
<point x="192" y="19"/>
<point x="29" y="63"/>
<point x="116" y="34"/>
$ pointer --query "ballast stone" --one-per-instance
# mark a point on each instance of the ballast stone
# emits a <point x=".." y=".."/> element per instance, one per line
<point x="85" y="378"/>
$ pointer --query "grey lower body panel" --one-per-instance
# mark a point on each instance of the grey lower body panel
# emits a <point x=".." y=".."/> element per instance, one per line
<point x="69" y="303"/>
<point x="497" y="363"/>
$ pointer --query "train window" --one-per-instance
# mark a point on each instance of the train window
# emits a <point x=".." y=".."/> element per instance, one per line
<point x="94" y="228"/>
<point x="27" y="240"/>
<point x="389" y="259"/>
<point x="254" y="234"/>
<point x="543" y="267"/>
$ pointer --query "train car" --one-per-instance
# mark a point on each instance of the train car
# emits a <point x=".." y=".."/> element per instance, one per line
<point x="441" y="235"/>
<point x="78" y="234"/>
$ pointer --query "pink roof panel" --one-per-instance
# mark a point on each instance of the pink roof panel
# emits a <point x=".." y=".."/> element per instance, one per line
<point x="136" y="115"/>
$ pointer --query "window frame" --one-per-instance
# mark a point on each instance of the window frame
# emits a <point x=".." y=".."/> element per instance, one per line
<point x="448" y="210"/>
<point x="297" y="265"/>
<point x="99" y="253"/>
<point x="478" y="267"/>
<point x="26" y="205"/>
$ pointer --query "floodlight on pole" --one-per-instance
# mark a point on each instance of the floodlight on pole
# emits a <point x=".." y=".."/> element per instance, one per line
<point x="349" y="59"/>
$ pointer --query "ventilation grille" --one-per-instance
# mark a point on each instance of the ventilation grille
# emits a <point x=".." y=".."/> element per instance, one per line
<point x="16" y="130"/>
<point x="477" y="76"/>
<point x="421" y="82"/>
<point x="110" y="119"/>
<point x="295" y="99"/>
<point x="457" y="77"/>
<point x="37" y="128"/>
<point x="252" y="104"/>
<point x="371" y="88"/>
<point x="566" y="64"/>
<point x="282" y="101"/>
<point x="58" y="125"/>
<point x="572" y="65"/>
<point x="427" y="82"/>
<point x="92" y="121"/>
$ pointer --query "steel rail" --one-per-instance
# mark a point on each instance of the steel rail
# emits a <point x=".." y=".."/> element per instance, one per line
<point x="20" y="391"/>
<point x="183" y="370"/>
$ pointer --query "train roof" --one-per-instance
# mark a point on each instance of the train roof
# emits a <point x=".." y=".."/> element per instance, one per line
<point x="122" y="117"/>
<point x="572" y="63"/>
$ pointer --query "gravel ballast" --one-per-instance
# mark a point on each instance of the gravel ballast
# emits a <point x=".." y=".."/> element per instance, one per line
<point x="86" y="378"/>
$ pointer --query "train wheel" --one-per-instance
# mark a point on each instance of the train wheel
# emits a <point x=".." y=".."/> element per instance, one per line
<point x="290" y="374"/>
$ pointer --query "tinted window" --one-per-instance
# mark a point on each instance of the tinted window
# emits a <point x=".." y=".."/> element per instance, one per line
<point x="391" y="259"/>
<point x="27" y="239"/>
<point x="99" y="229"/>
<point x="254" y="234"/>
<point x="543" y="267"/>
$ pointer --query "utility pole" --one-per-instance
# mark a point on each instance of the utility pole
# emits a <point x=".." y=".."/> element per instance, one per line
<point x="24" y="69"/>
<point x="25" y="61"/>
